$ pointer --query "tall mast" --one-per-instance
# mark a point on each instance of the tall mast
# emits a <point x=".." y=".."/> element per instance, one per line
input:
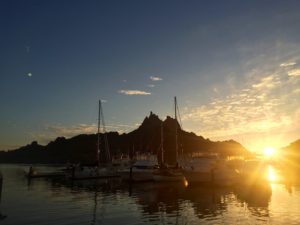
<point x="106" y="146"/>
<point x="176" y="128"/>
<point x="162" y="143"/>
<point x="98" y="135"/>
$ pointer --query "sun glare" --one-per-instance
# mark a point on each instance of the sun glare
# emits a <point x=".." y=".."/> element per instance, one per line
<point x="272" y="176"/>
<point x="269" y="151"/>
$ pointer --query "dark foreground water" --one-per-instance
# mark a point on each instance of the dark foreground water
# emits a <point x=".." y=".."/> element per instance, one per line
<point x="47" y="201"/>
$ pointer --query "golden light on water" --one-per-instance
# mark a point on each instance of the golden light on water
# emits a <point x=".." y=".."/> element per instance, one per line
<point x="186" y="183"/>
<point x="272" y="175"/>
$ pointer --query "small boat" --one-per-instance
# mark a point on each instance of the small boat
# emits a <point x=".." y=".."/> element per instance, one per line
<point x="86" y="172"/>
<point x="121" y="161"/>
<point x="168" y="174"/>
<point x="141" y="170"/>
<point x="97" y="170"/>
<point x="33" y="173"/>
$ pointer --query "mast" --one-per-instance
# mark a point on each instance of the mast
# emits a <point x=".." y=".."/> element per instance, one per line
<point x="98" y="135"/>
<point x="162" y="143"/>
<point x="176" y="128"/>
<point x="107" y="152"/>
<point x="106" y="147"/>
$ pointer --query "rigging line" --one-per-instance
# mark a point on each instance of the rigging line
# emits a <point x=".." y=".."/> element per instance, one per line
<point x="105" y="134"/>
<point x="98" y="134"/>
<point x="178" y="112"/>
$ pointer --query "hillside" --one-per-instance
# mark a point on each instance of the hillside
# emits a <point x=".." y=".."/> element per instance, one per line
<point x="146" y="138"/>
<point x="291" y="155"/>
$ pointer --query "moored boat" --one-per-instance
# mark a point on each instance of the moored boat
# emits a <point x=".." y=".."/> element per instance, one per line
<point x="34" y="173"/>
<point x="141" y="170"/>
<point x="166" y="173"/>
<point x="208" y="169"/>
<point x="99" y="169"/>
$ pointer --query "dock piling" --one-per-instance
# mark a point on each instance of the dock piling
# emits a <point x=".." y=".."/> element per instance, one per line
<point x="1" y="183"/>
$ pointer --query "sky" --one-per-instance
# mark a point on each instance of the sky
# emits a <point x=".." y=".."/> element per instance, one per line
<point x="233" y="65"/>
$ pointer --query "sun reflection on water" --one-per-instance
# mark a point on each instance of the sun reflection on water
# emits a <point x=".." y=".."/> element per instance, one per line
<point x="272" y="175"/>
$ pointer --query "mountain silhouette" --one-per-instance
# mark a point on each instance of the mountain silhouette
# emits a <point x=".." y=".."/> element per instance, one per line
<point x="291" y="155"/>
<point x="147" y="138"/>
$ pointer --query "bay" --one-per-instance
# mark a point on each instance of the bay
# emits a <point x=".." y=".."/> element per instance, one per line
<point x="111" y="201"/>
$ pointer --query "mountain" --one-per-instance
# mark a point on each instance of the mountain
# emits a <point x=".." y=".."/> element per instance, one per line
<point x="145" y="139"/>
<point x="291" y="155"/>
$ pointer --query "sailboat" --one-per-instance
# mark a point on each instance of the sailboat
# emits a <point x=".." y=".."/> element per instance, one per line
<point x="141" y="170"/>
<point x="164" y="172"/>
<point x="209" y="169"/>
<point x="97" y="170"/>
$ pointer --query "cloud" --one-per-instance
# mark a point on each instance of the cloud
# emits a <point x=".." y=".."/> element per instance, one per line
<point x="134" y="92"/>
<point x="151" y="85"/>
<point x="296" y="90"/>
<point x="288" y="64"/>
<point x="153" y="78"/>
<point x="60" y="130"/>
<point x="264" y="104"/>
<point x="268" y="82"/>
<point x="294" y="73"/>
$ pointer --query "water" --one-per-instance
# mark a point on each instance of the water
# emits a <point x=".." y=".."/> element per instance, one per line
<point x="47" y="201"/>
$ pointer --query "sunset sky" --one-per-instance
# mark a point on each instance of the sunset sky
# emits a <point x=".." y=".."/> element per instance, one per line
<point x="233" y="65"/>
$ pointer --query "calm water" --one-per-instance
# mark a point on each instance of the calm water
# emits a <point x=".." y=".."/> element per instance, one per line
<point x="48" y="201"/>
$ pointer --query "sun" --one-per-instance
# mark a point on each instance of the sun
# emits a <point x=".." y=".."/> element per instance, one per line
<point x="269" y="151"/>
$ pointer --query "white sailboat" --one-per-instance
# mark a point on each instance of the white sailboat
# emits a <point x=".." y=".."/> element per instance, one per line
<point x="141" y="170"/>
<point x="208" y="169"/>
<point x="98" y="170"/>
<point x="164" y="172"/>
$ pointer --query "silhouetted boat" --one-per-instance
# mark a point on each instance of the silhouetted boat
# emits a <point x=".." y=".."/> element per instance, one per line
<point x="166" y="173"/>
<point x="141" y="170"/>
<point x="97" y="170"/>
<point x="210" y="170"/>
<point x="34" y="173"/>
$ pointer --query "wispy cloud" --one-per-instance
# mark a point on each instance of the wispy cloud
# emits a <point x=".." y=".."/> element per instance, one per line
<point x="267" y="82"/>
<point x="134" y="92"/>
<point x="266" y="103"/>
<point x="60" y="130"/>
<point x="288" y="64"/>
<point x="154" y="78"/>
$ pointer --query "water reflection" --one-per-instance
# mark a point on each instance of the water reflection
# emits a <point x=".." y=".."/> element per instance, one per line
<point x="111" y="201"/>
<point x="272" y="175"/>
<point x="207" y="202"/>
<point x="256" y="197"/>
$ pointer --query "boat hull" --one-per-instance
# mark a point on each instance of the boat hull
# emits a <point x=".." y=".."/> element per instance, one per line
<point x="50" y="174"/>
<point x="137" y="175"/>
<point x="167" y="175"/>
<point x="92" y="173"/>
<point x="218" y="178"/>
